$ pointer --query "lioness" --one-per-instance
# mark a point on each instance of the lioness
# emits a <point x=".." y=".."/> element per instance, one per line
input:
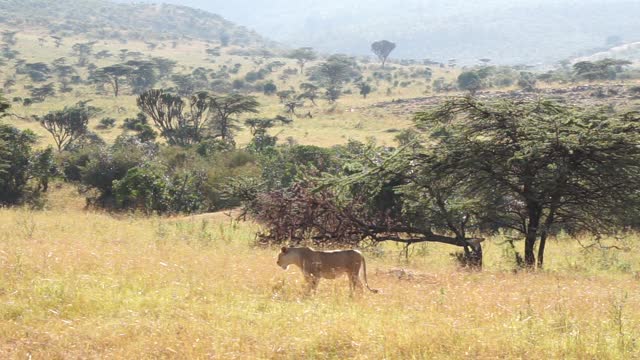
<point x="325" y="264"/>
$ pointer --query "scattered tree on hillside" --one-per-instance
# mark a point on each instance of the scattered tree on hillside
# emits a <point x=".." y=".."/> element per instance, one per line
<point x="114" y="75"/>
<point x="303" y="56"/>
<point x="259" y="129"/>
<point x="164" y="66"/>
<point x="527" y="81"/>
<point x="180" y="123"/>
<point x="185" y="84"/>
<point x="383" y="49"/>
<point x="332" y="74"/>
<point x="225" y="109"/>
<point x="309" y="91"/>
<point x="9" y="37"/>
<point x="143" y="76"/>
<point x="470" y="81"/>
<point x="39" y="94"/>
<point x="365" y="89"/>
<point x="82" y="51"/>
<point x="64" y="72"/>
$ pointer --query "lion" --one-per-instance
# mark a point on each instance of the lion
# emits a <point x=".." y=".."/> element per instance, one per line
<point x="325" y="264"/>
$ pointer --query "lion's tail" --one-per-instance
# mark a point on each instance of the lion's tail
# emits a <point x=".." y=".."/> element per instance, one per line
<point x="366" y="282"/>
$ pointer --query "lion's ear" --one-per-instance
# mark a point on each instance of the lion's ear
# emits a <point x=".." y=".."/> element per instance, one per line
<point x="284" y="249"/>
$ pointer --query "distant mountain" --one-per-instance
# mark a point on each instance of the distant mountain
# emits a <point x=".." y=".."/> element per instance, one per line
<point x="102" y="19"/>
<point x="629" y="51"/>
<point x="507" y="31"/>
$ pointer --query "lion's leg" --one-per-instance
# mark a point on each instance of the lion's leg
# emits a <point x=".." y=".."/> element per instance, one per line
<point x="312" y="283"/>
<point x="355" y="272"/>
<point x="351" y="283"/>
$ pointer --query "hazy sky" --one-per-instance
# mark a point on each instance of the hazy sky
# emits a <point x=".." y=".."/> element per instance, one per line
<point x="507" y="30"/>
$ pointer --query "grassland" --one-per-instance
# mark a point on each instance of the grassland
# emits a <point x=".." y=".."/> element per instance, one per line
<point x="81" y="284"/>
<point x="350" y="118"/>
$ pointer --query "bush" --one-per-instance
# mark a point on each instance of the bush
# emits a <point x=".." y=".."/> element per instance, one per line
<point x="143" y="187"/>
<point x="106" y="123"/>
<point x="24" y="173"/>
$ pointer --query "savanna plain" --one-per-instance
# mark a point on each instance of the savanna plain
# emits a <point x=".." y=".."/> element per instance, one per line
<point x="78" y="284"/>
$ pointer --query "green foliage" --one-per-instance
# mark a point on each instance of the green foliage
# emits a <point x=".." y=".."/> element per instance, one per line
<point x="104" y="165"/>
<point x="106" y="123"/>
<point x="469" y="81"/>
<point x="142" y="188"/>
<point x="140" y="125"/>
<point x="24" y="172"/>
<point x="527" y="81"/>
<point x="282" y="166"/>
<point x="534" y="167"/>
<point x="599" y="70"/>
<point x="226" y="109"/>
<point x="269" y="88"/>
<point x="68" y="125"/>
<point x="259" y="128"/>
<point x="365" y="89"/>
<point x="333" y="74"/>
<point x="179" y="123"/>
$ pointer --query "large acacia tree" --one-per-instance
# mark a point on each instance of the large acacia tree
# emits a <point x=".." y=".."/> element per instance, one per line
<point x="541" y="166"/>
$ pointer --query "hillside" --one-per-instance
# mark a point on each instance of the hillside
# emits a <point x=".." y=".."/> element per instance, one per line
<point x="99" y="19"/>
<point x="527" y="31"/>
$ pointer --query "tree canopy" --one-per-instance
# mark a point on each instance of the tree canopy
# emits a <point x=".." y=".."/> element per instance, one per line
<point x="383" y="49"/>
<point x="68" y="125"/>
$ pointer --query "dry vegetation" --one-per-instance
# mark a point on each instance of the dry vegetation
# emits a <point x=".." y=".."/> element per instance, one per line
<point x="79" y="284"/>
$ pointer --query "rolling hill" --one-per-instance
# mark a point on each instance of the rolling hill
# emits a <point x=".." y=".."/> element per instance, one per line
<point x="99" y="19"/>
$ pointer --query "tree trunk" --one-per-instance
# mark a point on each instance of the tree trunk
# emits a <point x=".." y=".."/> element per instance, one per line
<point x="543" y="235"/>
<point x="532" y="235"/>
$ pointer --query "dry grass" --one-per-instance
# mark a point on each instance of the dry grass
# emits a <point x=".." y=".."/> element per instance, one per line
<point x="77" y="284"/>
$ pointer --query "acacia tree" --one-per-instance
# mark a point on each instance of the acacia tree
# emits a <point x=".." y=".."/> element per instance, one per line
<point x="541" y="166"/>
<point x="114" y="75"/>
<point x="225" y="109"/>
<point x="309" y="91"/>
<point x="303" y="56"/>
<point x="68" y="125"/>
<point x="180" y="123"/>
<point x="383" y="49"/>
<point x="332" y="74"/>
<point x="83" y="51"/>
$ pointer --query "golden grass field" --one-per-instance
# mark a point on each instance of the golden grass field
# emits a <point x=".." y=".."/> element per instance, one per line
<point x="78" y="284"/>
